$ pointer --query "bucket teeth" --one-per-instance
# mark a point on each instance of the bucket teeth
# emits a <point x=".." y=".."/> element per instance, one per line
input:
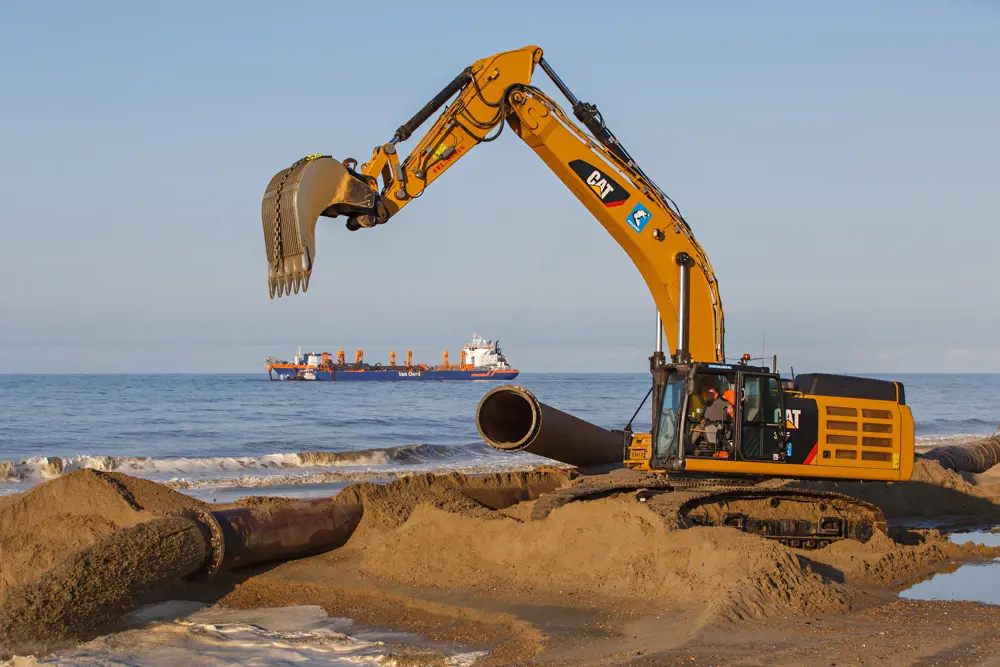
<point x="284" y="282"/>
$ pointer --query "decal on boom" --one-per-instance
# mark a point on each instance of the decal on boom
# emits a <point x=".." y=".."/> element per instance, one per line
<point x="602" y="185"/>
<point x="638" y="218"/>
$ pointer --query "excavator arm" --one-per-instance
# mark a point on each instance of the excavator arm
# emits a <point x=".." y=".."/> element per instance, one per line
<point x="488" y="95"/>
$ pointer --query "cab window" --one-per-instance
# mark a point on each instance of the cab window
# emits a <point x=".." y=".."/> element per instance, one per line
<point x="761" y="400"/>
<point x="667" y="441"/>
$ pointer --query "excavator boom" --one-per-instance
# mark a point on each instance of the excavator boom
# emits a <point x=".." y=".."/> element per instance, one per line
<point x="491" y="94"/>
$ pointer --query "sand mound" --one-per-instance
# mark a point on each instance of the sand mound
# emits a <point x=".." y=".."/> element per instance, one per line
<point x="390" y="505"/>
<point x="616" y="547"/>
<point x="41" y="527"/>
<point x="613" y="547"/>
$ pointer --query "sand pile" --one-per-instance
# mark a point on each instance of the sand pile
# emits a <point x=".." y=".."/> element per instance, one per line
<point x="390" y="505"/>
<point x="612" y="547"/>
<point x="619" y="548"/>
<point x="425" y="532"/>
<point x="42" y="526"/>
<point x="887" y="563"/>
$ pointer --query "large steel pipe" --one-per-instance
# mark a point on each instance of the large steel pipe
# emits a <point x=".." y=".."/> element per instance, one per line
<point x="974" y="457"/>
<point x="511" y="419"/>
<point x="250" y="536"/>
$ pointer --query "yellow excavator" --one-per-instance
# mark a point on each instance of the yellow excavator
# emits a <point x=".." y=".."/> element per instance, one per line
<point x="718" y="429"/>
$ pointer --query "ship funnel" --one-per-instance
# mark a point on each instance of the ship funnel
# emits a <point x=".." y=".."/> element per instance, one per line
<point x="316" y="185"/>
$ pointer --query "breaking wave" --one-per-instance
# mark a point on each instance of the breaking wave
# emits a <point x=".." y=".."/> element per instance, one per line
<point x="270" y="469"/>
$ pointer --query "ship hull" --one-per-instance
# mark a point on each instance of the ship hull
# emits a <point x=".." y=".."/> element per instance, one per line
<point x="387" y="375"/>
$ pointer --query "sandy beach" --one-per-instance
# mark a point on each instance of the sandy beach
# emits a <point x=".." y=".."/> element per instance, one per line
<point x="457" y="559"/>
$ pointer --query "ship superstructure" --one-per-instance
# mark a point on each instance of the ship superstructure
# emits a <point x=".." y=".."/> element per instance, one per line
<point x="485" y="354"/>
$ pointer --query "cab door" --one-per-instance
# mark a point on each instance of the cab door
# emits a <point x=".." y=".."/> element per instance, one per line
<point x="761" y="416"/>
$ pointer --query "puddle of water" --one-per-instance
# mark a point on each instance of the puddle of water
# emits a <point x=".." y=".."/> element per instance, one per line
<point x="989" y="538"/>
<point x="973" y="582"/>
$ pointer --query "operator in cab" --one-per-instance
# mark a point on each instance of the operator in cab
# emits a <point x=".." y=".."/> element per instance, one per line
<point x="717" y="409"/>
<point x="698" y="403"/>
<point x="711" y="421"/>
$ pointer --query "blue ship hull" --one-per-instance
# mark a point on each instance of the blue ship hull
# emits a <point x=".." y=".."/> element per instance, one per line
<point x="401" y="375"/>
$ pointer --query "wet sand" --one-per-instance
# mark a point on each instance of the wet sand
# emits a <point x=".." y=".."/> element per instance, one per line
<point x="602" y="582"/>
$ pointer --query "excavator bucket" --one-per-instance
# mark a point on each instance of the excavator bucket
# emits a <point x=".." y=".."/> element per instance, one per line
<point x="295" y="199"/>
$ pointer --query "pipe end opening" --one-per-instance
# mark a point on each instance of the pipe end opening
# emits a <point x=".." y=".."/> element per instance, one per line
<point x="507" y="418"/>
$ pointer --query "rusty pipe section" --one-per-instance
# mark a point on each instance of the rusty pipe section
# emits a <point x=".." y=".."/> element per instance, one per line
<point x="254" y="535"/>
<point x="511" y="419"/>
<point x="973" y="457"/>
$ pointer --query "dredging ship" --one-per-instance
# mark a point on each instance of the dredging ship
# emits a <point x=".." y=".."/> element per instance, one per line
<point x="480" y="359"/>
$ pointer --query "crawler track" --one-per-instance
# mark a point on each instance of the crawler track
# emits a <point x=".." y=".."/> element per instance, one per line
<point x="801" y="519"/>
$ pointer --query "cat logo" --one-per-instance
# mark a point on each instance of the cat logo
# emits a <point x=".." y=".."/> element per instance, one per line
<point x="599" y="184"/>
<point x="606" y="188"/>
<point x="792" y="418"/>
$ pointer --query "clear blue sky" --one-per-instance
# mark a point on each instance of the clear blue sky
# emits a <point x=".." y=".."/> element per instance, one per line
<point x="840" y="164"/>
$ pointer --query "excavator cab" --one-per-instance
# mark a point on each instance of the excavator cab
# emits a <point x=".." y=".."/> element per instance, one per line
<point x="723" y="413"/>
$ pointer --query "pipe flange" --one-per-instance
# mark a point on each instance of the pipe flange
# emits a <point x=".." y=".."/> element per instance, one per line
<point x="216" y="541"/>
